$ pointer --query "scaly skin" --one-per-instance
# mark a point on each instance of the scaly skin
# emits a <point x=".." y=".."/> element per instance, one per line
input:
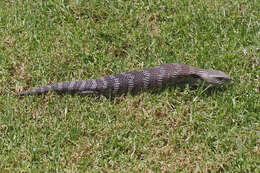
<point x="137" y="80"/>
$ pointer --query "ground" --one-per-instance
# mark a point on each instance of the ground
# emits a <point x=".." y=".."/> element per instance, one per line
<point x="201" y="130"/>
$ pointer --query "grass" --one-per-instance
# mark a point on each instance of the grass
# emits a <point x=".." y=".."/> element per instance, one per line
<point x="44" y="42"/>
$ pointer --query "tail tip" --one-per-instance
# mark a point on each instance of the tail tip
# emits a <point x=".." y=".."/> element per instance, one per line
<point x="20" y="94"/>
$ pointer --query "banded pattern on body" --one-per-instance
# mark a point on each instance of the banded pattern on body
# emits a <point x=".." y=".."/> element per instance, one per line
<point x="137" y="80"/>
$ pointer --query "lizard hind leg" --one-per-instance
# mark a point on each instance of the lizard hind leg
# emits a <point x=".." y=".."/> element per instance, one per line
<point x="88" y="92"/>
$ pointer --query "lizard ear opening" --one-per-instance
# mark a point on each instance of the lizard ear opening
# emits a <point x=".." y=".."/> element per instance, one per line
<point x="195" y="76"/>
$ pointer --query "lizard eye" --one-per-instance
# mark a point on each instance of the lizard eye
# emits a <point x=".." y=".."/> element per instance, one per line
<point x="220" y="78"/>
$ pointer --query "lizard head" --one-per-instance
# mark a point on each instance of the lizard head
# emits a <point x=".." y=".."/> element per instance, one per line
<point x="214" y="77"/>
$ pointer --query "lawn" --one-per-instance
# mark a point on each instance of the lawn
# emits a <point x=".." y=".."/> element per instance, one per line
<point x="189" y="130"/>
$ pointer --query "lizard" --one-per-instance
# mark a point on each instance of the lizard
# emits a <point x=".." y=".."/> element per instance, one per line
<point x="138" y="80"/>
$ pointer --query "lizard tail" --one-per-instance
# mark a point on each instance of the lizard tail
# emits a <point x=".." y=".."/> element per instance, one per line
<point x="39" y="90"/>
<point x="61" y="86"/>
